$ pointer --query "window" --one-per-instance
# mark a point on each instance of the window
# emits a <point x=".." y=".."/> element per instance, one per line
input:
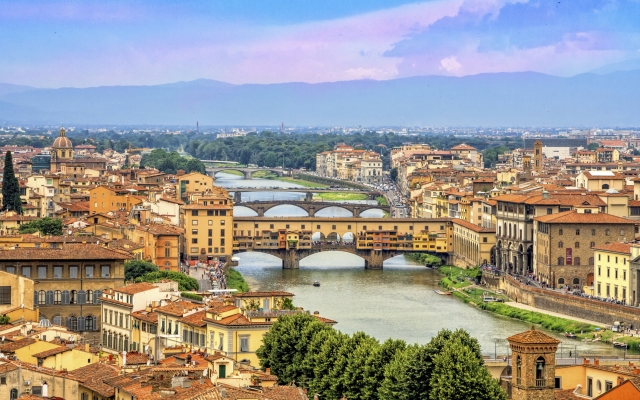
<point x="5" y="294"/>
<point x="11" y="270"/>
<point x="591" y="262"/>
<point x="42" y="272"/>
<point x="606" y="232"/>
<point x="42" y="297"/>
<point x="624" y="275"/>
<point x="560" y="260"/>
<point x="560" y="245"/>
<point x="167" y="252"/>
<point x="244" y="343"/>
<point x="577" y="232"/>
<point x="560" y="281"/>
<point x="105" y="271"/>
<point x="26" y="272"/>
<point x="3" y="380"/>
<point x="210" y="232"/>
<point x="621" y="232"/>
<point x="560" y="231"/>
<point x="194" y="231"/>
<point x="577" y="245"/>
<point x="608" y="386"/>
<point x="194" y="213"/>
<point x="593" y="232"/>
<point x="194" y="241"/>
<point x="57" y="297"/>
<point x="73" y="272"/>
<point x="576" y="261"/>
<point x="608" y="272"/>
<point x="222" y="222"/>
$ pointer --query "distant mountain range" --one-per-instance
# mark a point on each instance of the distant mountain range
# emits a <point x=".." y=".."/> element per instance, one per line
<point x="500" y="99"/>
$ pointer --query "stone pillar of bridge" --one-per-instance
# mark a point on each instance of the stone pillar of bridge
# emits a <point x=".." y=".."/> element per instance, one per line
<point x="373" y="260"/>
<point x="308" y="197"/>
<point x="311" y="211"/>
<point x="237" y="197"/>
<point x="356" y="211"/>
<point x="291" y="260"/>
<point x="260" y="211"/>
<point x="248" y="175"/>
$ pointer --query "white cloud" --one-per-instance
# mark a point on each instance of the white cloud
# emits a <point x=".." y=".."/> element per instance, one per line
<point x="450" y="64"/>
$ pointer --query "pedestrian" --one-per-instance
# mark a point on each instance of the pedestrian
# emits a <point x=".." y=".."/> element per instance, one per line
<point x="570" y="353"/>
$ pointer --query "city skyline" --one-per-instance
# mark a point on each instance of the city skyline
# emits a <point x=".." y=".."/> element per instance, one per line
<point x="85" y="44"/>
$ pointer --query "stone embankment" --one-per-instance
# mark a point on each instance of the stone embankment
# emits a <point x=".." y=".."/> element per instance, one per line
<point x="568" y="304"/>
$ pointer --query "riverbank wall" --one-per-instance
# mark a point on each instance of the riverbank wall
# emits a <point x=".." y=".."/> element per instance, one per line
<point x="576" y="306"/>
<point x="329" y="181"/>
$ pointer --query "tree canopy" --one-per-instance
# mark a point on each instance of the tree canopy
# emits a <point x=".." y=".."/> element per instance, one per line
<point x="170" y="163"/>
<point x="299" y="348"/>
<point x="185" y="283"/>
<point x="136" y="268"/>
<point x="10" y="187"/>
<point x="46" y="226"/>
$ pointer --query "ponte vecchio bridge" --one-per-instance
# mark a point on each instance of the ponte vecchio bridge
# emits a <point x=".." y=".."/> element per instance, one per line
<point x="311" y="207"/>
<point x="374" y="239"/>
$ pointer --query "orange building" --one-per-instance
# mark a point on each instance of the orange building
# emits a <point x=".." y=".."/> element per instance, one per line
<point x="103" y="199"/>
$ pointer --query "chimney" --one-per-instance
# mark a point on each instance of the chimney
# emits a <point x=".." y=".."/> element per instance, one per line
<point x="223" y="393"/>
<point x="596" y="361"/>
<point x="545" y="194"/>
<point x="631" y="363"/>
<point x="87" y="347"/>
<point x="586" y="361"/>
<point x="267" y="371"/>
<point x="636" y="370"/>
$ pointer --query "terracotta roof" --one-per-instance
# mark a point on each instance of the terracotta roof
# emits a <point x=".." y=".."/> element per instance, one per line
<point x="52" y="352"/>
<point x="472" y="226"/>
<point x="146" y="316"/>
<point x="532" y="336"/>
<point x="136" y="358"/>
<point x="573" y="217"/>
<point x="91" y="376"/>
<point x="13" y="346"/>
<point x="463" y="146"/>
<point x="195" y="319"/>
<point x="135" y="288"/>
<point x="615" y="247"/>
<point x="566" y="395"/>
<point x="75" y="252"/>
<point x="178" y="308"/>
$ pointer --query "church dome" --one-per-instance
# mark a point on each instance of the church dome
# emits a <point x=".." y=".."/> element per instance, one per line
<point x="62" y="141"/>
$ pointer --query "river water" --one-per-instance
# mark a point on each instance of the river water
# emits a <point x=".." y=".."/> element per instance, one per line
<point x="396" y="302"/>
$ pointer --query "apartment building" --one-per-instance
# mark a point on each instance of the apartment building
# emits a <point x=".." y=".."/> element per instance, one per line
<point x="208" y="226"/>
<point x="612" y="272"/>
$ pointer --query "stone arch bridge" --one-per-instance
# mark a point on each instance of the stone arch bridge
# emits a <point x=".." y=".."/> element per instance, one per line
<point x="247" y="172"/>
<point x="311" y="208"/>
<point x="291" y="239"/>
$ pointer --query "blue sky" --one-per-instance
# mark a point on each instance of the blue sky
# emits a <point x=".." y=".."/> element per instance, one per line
<point x="93" y="43"/>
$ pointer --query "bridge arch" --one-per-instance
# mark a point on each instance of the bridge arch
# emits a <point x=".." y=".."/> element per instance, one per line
<point x="348" y="237"/>
<point x="243" y="211"/>
<point x="327" y="209"/>
<point x="215" y="171"/>
<point x="278" y="211"/>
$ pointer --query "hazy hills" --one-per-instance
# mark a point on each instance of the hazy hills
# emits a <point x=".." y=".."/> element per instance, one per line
<point x="501" y="99"/>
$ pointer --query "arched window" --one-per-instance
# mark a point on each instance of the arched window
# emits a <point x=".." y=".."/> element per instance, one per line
<point x="65" y="297"/>
<point x="81" y="323"/>
<point x="499" y="231"/>
<point x="560" y="245"/>
<point x="518" y="370"/>
<point x="592" y="244"/>
<point x="72" y="323"/>
<point x="49" y="297"/>
<point x="606" y="232"/>
<point x="89" y="296"/>
<point x="576" y="281"/>
<point x="577" y="245"/>
<point x="73" y="297"/>
<point x="605" y="186"/>
<point x="560" y="260"/>
<point x="591" y="261"/>
<point x="57" y="320"/>
<point x="13" y="394"/>
<point x="89" y="322"/>
<point x="82" y="297"/>
<point x="540" y="372"/>
<point x="560" y="231"/>
<point x="104" y="338"/>
<point x="593" y="232"/>
<point x="560" y="281"/>
<point x="57" y="297"/>
<point x="576" y="261"/>
<point x="42" y="297"/>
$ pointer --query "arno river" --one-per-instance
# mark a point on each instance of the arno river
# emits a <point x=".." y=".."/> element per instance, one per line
<point x="398" y="301"/>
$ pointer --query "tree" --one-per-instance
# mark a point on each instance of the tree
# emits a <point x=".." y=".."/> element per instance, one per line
<point x="393" y="174"/>
<point x="284" y="346"/>
<point x="46" y="226"/>
<point x="185" y="283"/>
<point x="324" y="362"/>
<point x="10" y="187"/>
<point x="593" y="145"/>
<point x="393" y="385"/>
<point x="460" y="374"/>
<point x="4" y="319"/>
<point x="354" y="376"/>
<point x="374" y="366"/>
<point x="136" y="268"/>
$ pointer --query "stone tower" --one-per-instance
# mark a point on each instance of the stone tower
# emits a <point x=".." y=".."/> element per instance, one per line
<point x="526" y="164"/>
<point x="537" y="156"/>
<point x="533" y="360"/>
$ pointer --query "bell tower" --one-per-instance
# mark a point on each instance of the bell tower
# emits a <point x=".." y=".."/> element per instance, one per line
<point x="537" y="156"/>
<point x="533" y="360"/>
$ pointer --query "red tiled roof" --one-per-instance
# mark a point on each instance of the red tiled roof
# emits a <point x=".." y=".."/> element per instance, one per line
<point x="573" y="217"/>
<point x="135" y="288"/>
<point x="533" y="336"/>
<point x="91" y="376"/>
<point x="615" y="247"/>
<point x="52" y="352"/>
<point x="75" y="252"/>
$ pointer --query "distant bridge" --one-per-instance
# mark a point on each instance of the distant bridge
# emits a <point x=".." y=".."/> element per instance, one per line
<point x="237" y="192"/>
<point x="311" y="207"/>
<point x="247" y="172"/>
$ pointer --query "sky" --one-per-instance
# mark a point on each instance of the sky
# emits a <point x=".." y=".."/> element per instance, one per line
<point x="88" y="43"/>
